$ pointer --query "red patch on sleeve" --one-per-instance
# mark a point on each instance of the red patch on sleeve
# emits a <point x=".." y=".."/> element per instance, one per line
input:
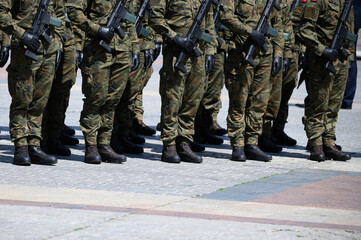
<point x="303" y="1"/>
<point x="313" y="0"/>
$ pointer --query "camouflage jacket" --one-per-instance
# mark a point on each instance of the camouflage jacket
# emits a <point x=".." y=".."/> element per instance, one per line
<point x="319" y="22"/>
<point x="175" y="17"/>
<point x="88" y="15"/>
<point x="241" y="16"/>
<point x="17" y="16"/>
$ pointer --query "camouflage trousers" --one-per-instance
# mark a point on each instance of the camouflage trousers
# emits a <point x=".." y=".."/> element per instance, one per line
<point x="322" y="104"/>
<point x="131" y="103"/>
<point x="273" y="105"/>
<point x="249" y="90"/>
<point x="289" y="83"/>
<point x="212" y="97"/>
<point x="137" y="102"/>
<point x="29" y="85"/>
<point x="181" y="95"/>
<point x="65" y="77"/>
<point x="211" y="102"/>
<point x="105" y="76"/>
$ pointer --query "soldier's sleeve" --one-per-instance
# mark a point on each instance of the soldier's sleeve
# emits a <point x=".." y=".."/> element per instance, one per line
<point x="307" y="28"/>
<point x="211" y="48"/>
<point x="76" y="14"/>
<point x="157" y="20"/>
<point x="351" y="29"/>
<point x="7" y="23"/>
<point x="278" y="42"/>
<point x="59" y="9"/>
<point x="133" y="37"/>
<point x="230" y="19"/>
<point x="79" y="38"/>
<point x="289" y="37"/>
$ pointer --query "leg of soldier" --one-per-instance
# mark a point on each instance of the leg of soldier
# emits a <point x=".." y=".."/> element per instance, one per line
<point x="274" y="101"/>
<point x="126" y="104"/>
<point x="288" y="85"/>
<point x="318" y="84"/>
<point x="96" y="75"/>
<point x="259" y="93"/>
<point x="238" y="76"/>
<point x="29" y="86"/>
<point x="334" y="104"/>
<point x="212" y="97"/>
<point x="119" y="76"/>
<point x="138" y="103"/>
<point x="64" y="80"/>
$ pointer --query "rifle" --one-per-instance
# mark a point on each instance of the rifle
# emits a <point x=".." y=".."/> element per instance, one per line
<point x="218" y="26"/>
<point x="116" y="18"/>
<point x="195" y="34"/>
<point x="41" y="23"/>
<point x="341" y="35"/>
<point x="294" y="5"/>
<point x="264" y="28"/>
<point x="141" y="31"/>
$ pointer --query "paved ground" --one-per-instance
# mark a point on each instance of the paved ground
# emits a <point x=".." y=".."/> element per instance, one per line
<point x="288" y="198"/>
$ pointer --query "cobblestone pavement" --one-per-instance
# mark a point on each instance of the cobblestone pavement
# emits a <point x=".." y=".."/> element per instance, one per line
<point x="288" y="198"/>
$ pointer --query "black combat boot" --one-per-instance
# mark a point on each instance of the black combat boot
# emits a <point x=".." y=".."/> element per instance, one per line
<point x="21" y="156"/>
<point x="267" y="145"/>
<point x="253" y="152"/>
<point x="130" y="147"/>
<point x="317" y="154"/>
<point x="135" y="138"/>
<point x="56" y="147"/>
<point x="37" y="156"/>
<point x="332" y="152"/>
<point x="187" y="155"/>
<point x="196" y="147"/>
<point x="92" y="155"/>
<point x="68" y="140"/>
<point x="108" y="155"/>
<point x="283" y="138"/>
<point x="115" y="144"/>
<point x="210" y="138"/>
<point x="216" y="129"/>
<point x="169" y="154"/>
<point x="68" y="131"/>
<point x="141" y="128"/>
<point x="238" y="154"/>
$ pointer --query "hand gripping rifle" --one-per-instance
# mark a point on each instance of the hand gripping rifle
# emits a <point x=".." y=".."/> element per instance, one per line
<point x="141" y="31"/>
<point x="264" y="28"/>
<point x="41" y="23"/>
<point x="341" y="35"/>
<point x="195" y="34"/>
<point x="116" y="18"/>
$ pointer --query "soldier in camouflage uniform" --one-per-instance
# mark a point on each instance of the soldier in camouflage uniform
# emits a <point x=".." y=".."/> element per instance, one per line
<point x="129" y="140"/>
<point x="325" y="89"/>
<point x="248" y="87"/>
<point x="105" y="75"/>
<point x="29" y="81"/>
<point x="181" y="93"/>
<point x="289" y="82"/>
<point x="54" y="116"/>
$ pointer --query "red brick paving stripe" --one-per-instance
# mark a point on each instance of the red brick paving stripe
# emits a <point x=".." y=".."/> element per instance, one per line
<point x="216" y="217"/>
<point x="340" y="192"/>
